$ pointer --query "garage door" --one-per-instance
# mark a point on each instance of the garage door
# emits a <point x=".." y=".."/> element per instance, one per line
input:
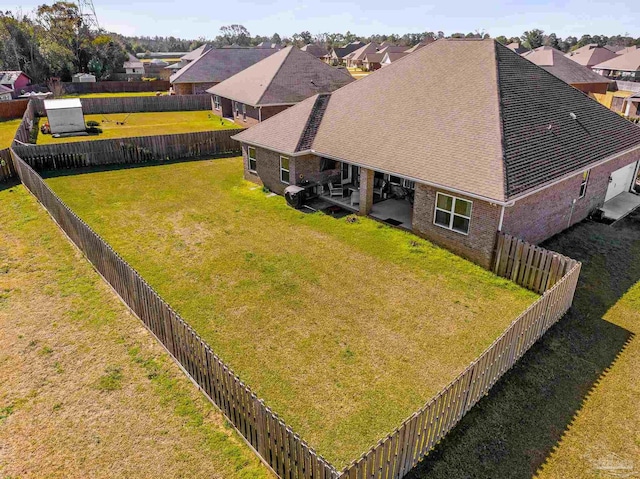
<point x="620" y="181"/>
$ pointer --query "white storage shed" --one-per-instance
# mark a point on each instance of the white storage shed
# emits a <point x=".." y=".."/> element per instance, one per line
<point x="65" y="116"/>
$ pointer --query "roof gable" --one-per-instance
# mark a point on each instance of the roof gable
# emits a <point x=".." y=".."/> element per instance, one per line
<point x="286" y="77"/>
<point x="626" y="62"/>
<point x="590" y="55"/>
<point x="218" y="64"/>
<point x="556" y="63"/>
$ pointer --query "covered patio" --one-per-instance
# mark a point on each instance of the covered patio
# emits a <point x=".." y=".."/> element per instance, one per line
<point x="620" y="206"/>
<point x="383" y="196"/>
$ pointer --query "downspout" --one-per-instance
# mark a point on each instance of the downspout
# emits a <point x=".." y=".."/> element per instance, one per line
<point x="573" y="205"/>
<point x="259" y="114"/>
<point x="501" y="218"/>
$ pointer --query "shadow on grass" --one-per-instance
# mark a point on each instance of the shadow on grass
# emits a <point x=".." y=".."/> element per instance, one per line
<point x="511" y="432"/>
<point x="127" y="166"/>
<point x="5" y="185"/>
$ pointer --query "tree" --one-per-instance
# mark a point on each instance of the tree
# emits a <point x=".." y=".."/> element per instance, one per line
<point x="502" y="39"/>
<point x="235" y="34"/>
<point x="552" y="41"/>
<point x="533" y="39"/>
<point x="275" y="38"/>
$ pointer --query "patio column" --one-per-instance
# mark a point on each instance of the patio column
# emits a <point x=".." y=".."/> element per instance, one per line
<point x="366" y="191"/>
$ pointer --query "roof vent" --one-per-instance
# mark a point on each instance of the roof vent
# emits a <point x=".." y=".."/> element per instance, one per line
<point x="573" y="116"/>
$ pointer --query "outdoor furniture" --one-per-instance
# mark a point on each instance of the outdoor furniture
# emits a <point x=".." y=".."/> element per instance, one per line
<point x="355" y="197"/>
<point x="334" y="190"/>
<point x="379" y="190"/>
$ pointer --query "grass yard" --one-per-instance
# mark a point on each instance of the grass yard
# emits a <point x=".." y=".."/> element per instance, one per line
<point x="570" y="408"/>
<point x="145" y="124"/>
<point x="8" y="130"/>
<point x="85" y="391"/>
<point x="343" y="328"/>
<point x="111" y="95"/>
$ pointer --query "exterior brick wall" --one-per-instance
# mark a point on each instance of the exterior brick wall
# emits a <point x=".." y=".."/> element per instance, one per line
<point x="548" y="212"/>
<point x="309" y="167"/>
<point x="268" y="169"/>
<point x="192" y="88"/>
<point x="477" y="246"/>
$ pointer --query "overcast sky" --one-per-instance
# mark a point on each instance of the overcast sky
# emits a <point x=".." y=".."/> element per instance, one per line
<point x="192" y="19"/>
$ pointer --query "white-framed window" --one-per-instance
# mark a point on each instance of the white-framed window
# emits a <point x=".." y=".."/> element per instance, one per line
<point x="284" y="169"/>
<point x="216" y="102"/>
<point x="452" y="213"/>
<point x="251" y="154"/>
<point x="410" y="185"/>
<point x="584" y="183"/>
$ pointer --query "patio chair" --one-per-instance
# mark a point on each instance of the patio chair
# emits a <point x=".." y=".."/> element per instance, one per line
<point x="379" y="189"/>
<point x="355" y="198"/>
<point x="334" y="190"/>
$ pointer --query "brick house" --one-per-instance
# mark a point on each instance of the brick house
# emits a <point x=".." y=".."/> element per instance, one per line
<point x="273" y="85"/>
<point x="569" y="71"/>
<point x="506" y="147"/>
<point x="214" y="66"/>
<point x="624" y="66"/>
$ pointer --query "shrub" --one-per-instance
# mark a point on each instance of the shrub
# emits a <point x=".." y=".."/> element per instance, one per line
<point x="94" y="130"/>
<point x="91" y="123"/>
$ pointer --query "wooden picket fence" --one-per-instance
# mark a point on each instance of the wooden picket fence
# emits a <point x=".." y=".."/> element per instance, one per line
<point x="7" y="171"/>
<point x="528" y="265"/>
<point x="395" y="455"/>
<point x="275" y="442"/>
<point x="139" y="149"/>
<point x="136" y="104"/>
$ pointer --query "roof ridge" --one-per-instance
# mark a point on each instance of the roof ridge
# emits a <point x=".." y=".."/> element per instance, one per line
<point x="313" y="122"/>
<point x="505" y="177"/>
<point x="266" y="88"/>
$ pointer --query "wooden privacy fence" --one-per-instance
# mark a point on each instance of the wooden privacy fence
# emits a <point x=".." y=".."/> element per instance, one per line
<point x="395" y="455"/>
<point x="137" y="104"/>
<point x="12" y="109"/>
<point x="129" y="150"/>
<point x="116" y="86"/>
<point x="278" y="446"/>
<point x="23" y="134"/>
<point x="6" y="165"/>
<point x="528" y="265"/>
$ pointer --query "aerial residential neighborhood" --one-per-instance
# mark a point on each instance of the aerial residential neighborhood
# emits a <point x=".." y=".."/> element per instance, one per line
<point x="230" y="247"/>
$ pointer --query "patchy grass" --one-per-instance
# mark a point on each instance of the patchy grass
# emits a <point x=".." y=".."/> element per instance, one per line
<point x="569" y="408"/>
<point x="61" y="332"/>
<point x="112" y="95"/>
<point x="8" y="130"/>
<point x="343" y="328"/>
<point x="145" y="124"/>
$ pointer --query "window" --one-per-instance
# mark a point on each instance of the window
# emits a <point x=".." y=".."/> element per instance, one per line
<point x="244" y="111"/>
<point x="216" y="102"/>
<point x="251" y="153"/>
<point x="452" y="213"/>
<point x="408" y="184"/>
<point x="284" y="169"/>
<point x="585" y="181"/>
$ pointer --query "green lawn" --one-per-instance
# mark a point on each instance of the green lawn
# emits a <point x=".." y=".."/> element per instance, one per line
<point x="343" y="327"/>
<point x="145" y="124"/>
<point x="571" y="407"/>
<point x="8" y="130"/>
<point x="85" y="390"/>
<point x="112" y="95"/>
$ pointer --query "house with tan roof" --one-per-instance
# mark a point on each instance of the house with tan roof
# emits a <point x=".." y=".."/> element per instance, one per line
<point x="338" y="54"/>
<point x="315" y="50"/>
<point x="214" y="66"/>
<point x="535" y="156"/>
<point x="518" y="48"/>
<point x="623" y="67"/>
<point x="355" y="58"/>
<point x="576" y="75"/>
<point x="275" y="84"/>
<point x="373" y="61"/>
<point x="590" y="55"/>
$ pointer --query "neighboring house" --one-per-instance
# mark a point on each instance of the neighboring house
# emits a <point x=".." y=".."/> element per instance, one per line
<point x="315" y="50"/>
<point x="133" y="69"/>
<point x="274" y="84"/>
<point x="417" y="46"/>
<point x="338" y="54"/>
<point x="623" y="67"/>
<point x="535" y="156"/>
<point x="576" y="75"/>
<point x="389" y="58"/>
<point x="5" y="93"/>
<point x="590" y="55"/>
<point x="83" y="78"/>
<point x="156" y="68"/>
<point x="372" y="61"/>
<point x="267" y="45"/>
<point x="518" y="48"/>
<point x="355" y="59"/>
<point x="15" y="80"/>
<point x="215" y="66"/>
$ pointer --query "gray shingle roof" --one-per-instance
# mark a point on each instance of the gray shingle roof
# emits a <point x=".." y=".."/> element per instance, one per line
<point x="486" y="132"/>
<point x="287" y="77"/>
<point x="218" y="64"/>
